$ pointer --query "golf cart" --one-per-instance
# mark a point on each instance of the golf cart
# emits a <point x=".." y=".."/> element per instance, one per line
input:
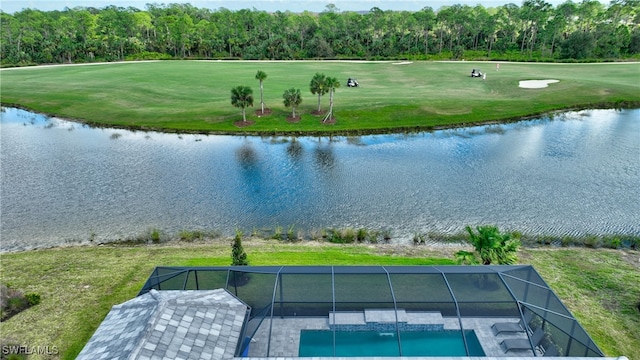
<point x="352" y="82"/>
<point x="476" y="73"/>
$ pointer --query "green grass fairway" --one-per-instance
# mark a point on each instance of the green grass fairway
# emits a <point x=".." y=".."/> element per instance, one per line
<point x="195" y="96"/>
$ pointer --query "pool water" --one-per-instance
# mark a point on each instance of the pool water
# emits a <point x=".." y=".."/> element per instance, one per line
<point x="372" y="343"/>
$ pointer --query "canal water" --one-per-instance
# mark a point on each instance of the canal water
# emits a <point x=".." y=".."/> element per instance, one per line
<point x="574" y="173"/>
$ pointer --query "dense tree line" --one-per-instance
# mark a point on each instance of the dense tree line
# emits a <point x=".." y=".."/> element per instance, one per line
<point x="533" y="31"/>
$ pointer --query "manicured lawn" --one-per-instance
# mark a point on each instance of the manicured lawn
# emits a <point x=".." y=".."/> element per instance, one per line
<point x="80" y="284"/>
<point x="601" y="290"/>
<point x="195" y="95"/>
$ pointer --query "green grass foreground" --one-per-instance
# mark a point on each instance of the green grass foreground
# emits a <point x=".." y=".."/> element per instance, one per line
<point x="194" y="96"/>
<point x="79" y="285"/>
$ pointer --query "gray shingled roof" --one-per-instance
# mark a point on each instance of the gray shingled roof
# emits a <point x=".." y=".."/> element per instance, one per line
<point x="182" y="324"/>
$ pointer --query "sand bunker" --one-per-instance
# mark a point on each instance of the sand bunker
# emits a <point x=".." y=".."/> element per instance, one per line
<point x="536" y="84"/>
<point x="403" y="63"/>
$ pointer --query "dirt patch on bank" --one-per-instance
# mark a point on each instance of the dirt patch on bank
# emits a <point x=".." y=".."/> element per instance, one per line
<point x="243" y="123"/>
<point x="266" y="112"/>
<point x="294" y="119"/>
<point x="631" y="257"/>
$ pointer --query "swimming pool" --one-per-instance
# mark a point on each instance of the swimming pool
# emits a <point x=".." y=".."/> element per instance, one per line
<point x="372" y="343"/>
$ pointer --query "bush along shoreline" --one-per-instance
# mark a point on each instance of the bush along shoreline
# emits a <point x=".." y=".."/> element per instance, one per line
<point x="351" y="235"/>
<point x="363" y="235"/>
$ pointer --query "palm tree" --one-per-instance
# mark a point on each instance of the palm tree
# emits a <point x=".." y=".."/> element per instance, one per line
<point x="331" y="83"/>
<point x="318" y="86"/>
<point x="241" y="97"/>
<point x="292" y="98"/>
<point x="491" y="246"/>
<point x="260" y="76"/>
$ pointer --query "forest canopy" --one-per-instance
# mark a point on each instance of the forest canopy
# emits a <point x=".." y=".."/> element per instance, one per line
<point x="532" y="31"/>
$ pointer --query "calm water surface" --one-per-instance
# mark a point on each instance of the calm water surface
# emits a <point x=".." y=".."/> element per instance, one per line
<point x="578" y="173"/>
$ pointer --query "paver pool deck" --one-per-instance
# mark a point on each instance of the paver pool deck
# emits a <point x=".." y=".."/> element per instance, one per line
<point x="285" y="332"/>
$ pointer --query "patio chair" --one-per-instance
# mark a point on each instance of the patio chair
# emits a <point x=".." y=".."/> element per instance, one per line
<point x="520" y="326"/>
<point x="523" y="344"/>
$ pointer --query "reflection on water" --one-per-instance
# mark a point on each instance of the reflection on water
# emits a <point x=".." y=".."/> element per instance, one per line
<point x="247" y="157"/>
<point x="577" y="173"/>
<point x="295" y="150"/>
<point x="324" y="158"/>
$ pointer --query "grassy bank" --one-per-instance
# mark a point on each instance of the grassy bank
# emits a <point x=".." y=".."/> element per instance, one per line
<point x="194" y="96"/>
<point x="79" y="285"/>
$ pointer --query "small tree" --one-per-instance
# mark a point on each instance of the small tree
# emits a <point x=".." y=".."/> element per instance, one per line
<point x="318" y="86"/>
<point x="331" y="84"/>
<point x="491" y="246"/>
<point x="260" y="76"/>
<point x="241" y="97"/>
<point x="238" y="256"/>
<point x="292" y="98"/>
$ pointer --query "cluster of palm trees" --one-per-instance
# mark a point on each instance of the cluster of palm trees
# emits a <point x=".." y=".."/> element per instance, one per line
<point x="320" y="85"/>
<point x="242" y="96"/>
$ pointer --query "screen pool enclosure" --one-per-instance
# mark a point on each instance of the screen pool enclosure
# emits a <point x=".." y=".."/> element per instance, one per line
<point x="329" y="310"/>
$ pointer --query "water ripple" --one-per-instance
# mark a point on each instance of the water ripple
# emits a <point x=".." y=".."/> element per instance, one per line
<point x="574" y="174"/>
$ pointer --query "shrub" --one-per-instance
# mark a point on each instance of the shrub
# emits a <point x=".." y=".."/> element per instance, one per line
<point x="148" y="55"/>
<point x="612" y="242"/>
<point x="592" y="241"/>
<point x="186" y="235"/>
<point x="334" y="236"/>
<point x="372" y="237"/>
<point x="344" y="236"/>
<point x="277" y="232"/>
<point x="32" y="299"/>
<point x="291" y="234"/>
<point x="566" y="241"/>
<point x="13" y="301"/>
<point x="349" y="235"/>
<point x="238" y="256"/>
<point x="547" y="240"/>
<point x="361" y="236"/>
<point x="17" y="303"/>
<point x="154" y="235"/>
<point x="315" y="234"/>
<point x="419" y="238"/>
<point x="199" y="235"/>
<point x="386" y="234"/>
<point x="632" y="242"/>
